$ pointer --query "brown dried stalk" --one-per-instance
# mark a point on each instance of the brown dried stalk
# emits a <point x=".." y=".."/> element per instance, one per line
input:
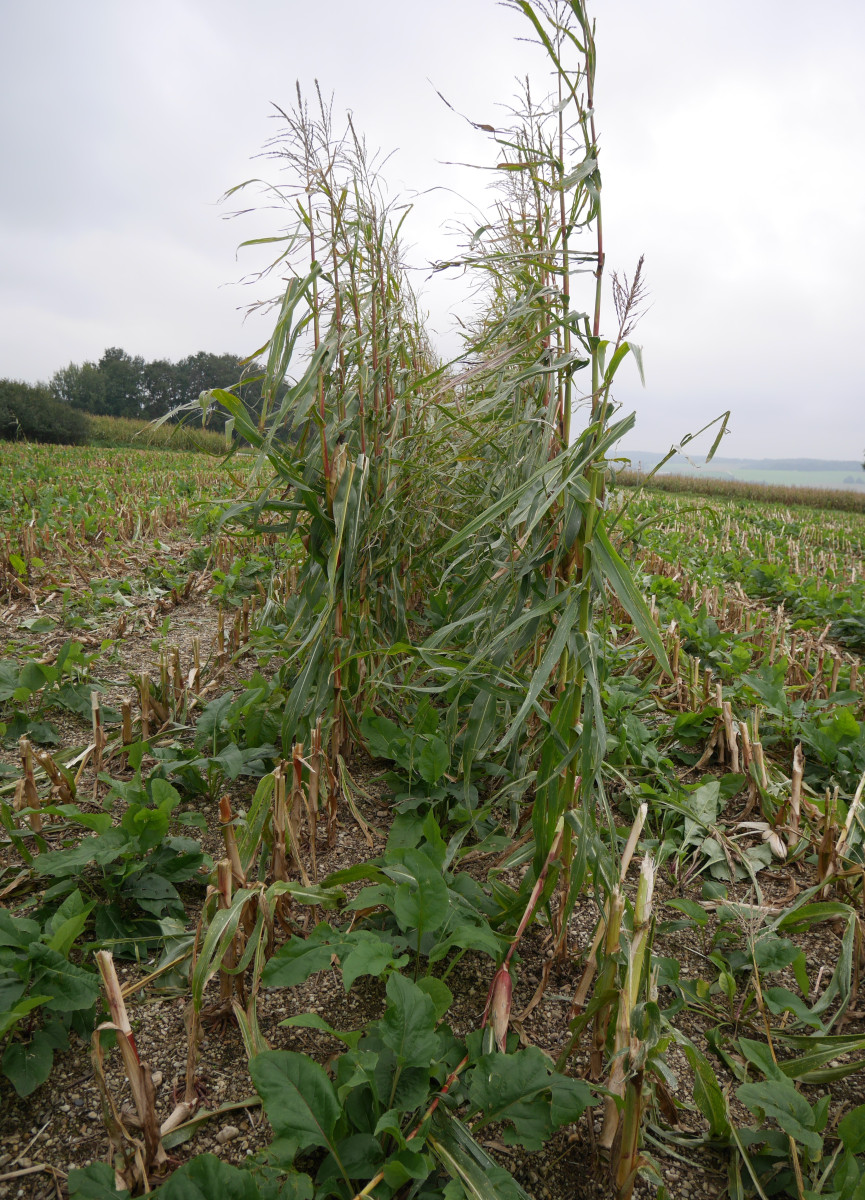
<point x="137" y="1072"/>
<point x="796" y="778"/>
<point x="26" y="794"/>
<point x="226" y="818"/>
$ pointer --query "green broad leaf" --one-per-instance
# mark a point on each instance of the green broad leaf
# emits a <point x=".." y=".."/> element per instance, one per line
<point x="194" y="820"/>
<point x="404" y="1166"/>
<point x="439" y="992"/>
<point x="102" y="850"/>
<point x="433" y="760"/>
<point x="760" y="1056"/>
<point x="360" y="1157"/>
<point x="371" y="956"/>
<point x="299" y="1099"/>
<point x="851" y="1130"/>
<point x="778" y="1099"/>
<point x="8" y="680"/>
<point x="65" y="925"/>
<point x="622" y="581"/>
<point x="701" y="807"/>
<point x="691" y="909"/>
<point x="299" y="958"/>
<point x="774" y="954"/>
<point x="569" y="1100"/>
<point x="206" y="1177"/>
<point x="154" y="894"/>
<point x="17" y="931"/>
<point x="28" y="1065"/>
<point x="96" y="1182"/>
<point x="42" y="732"/>
<point x="70" y="987"/>
<point x="33" y="676"/>
<point x="515" y="1089"/>
<point x="779" y="1000"/>
<point x="39" y="624"/>
<point x="314" y="1021"/>
<point x="406" y="831"/>
<point x="467" y="935"/>
<point x="111" y="925"/>
<point x="408" y="1025"/>
<point x="10" y="1011"/>
<point x="423" y="903"/>
<point x="383" y="737"/>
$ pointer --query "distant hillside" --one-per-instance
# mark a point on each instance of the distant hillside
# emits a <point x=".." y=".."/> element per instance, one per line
<point x="805" y="472"/>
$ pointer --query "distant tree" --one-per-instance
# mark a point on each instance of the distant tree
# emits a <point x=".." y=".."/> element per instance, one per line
<point x="201" y="372"/>
<point x="120" y="385"/>
<point x="81" y="387"/>
<point x="162" y="388"/>
<point x="112" y="387"/>
<point x="31" y="412"/>
<point x="123" y="375"/>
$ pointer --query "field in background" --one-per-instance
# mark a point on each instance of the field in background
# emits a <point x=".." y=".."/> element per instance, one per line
<point x="123" y="431"/>
<point x="704" y="485"/>
<point x="846" y="474"/>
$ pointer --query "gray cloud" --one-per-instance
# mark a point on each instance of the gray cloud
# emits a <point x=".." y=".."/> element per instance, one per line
<point x="731" y="152"/>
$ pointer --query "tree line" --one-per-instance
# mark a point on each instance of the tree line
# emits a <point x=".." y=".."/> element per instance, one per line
<point x="119" y="385"/>
<point x="123" y="385"/>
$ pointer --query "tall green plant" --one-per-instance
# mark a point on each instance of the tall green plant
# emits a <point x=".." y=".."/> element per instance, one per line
<point x="455" y="519"/>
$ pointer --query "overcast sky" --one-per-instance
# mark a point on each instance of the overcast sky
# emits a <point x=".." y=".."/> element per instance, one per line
<point x="732" y="156"/>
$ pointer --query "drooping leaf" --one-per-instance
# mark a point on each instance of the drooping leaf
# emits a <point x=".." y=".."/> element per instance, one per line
<point x="70" y="986"/>
<point x="408" y="1025"/>
<point x="299" y="1100"/>
<point x="28" y="1064"/>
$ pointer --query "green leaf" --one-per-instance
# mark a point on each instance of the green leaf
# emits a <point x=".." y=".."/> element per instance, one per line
<point x="569" y="1099"/>
<point x="95" y="1182"/>
<point x="10" y="1012"/>
<point x="774" y="954"/>
<point x="299" y="958"/>
<point x="422" y="904"/>
<point x="299" y="1100"/>
<point x="408" y="1025"/>
<point x="691" y="909"/>
<point x="779" y="1000"/>
<point x="433" y="760"/>
<point x="207" y="1177"/>
<point x="778" y="1098"/>
<point x="518" y="1089"/>
<point x="405" y="1165"/>
<point x="8" y="680"/>
<point x="64" y="926"/>
<point x="707" y="1092"/>
<point x="371" y="956"/>
<point x="439" y="992"/>
<point x="851" y="1130"/>
<point x="17" y="931"/>
<point x="70" y="987"/>
<point x="629" y="596"/>
<point x="28" y="1065"/>
<point x="360" y="1157"/>
<point x="314" y="1021"/>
